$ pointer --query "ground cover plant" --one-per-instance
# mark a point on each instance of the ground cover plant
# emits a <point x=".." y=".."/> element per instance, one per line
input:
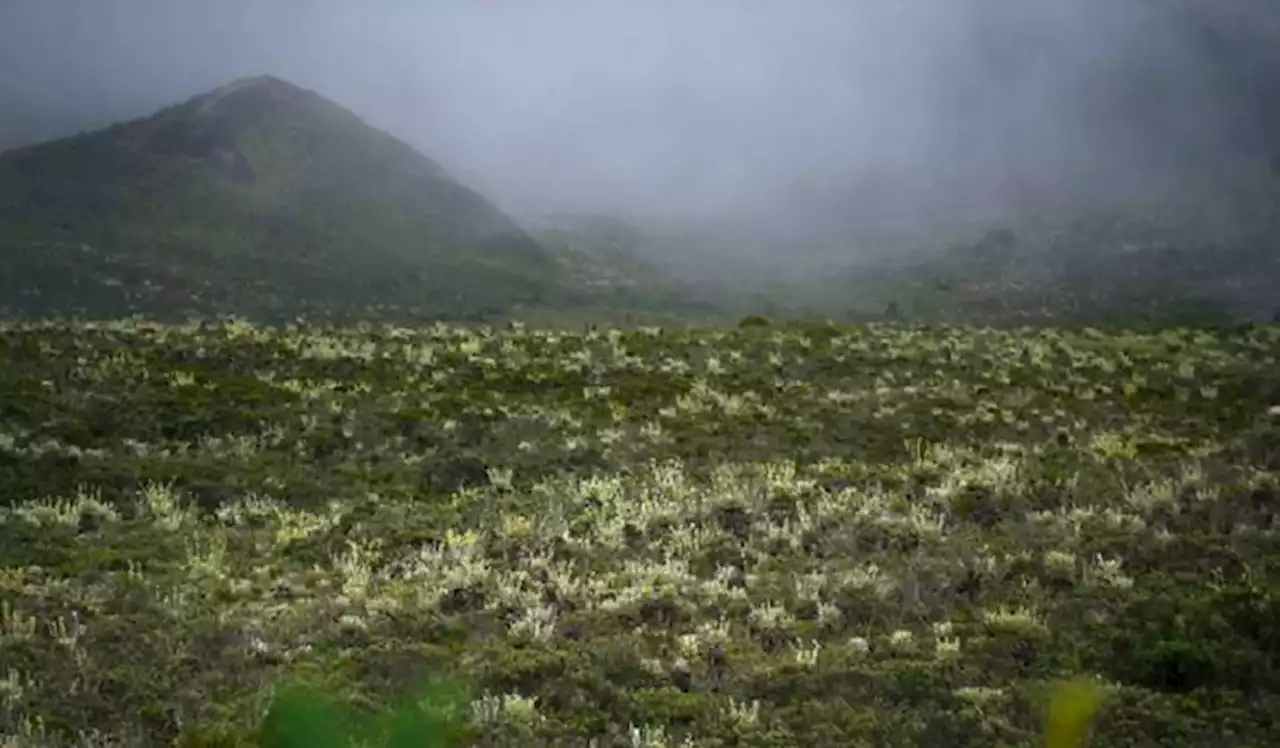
<point x="768" y="536"/>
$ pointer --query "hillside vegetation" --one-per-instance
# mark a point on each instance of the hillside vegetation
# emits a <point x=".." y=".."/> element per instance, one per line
<point x="777" y="536"/>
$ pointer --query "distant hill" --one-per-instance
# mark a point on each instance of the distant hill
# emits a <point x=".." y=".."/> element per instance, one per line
<point x="1199" y="254"/>
<point x="1210" y="256"/>
<point x="703" y="271"/>
<point x="261" y="199"/>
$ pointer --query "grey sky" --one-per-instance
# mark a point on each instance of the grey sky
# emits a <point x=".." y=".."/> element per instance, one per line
<point x="779" y="108"/>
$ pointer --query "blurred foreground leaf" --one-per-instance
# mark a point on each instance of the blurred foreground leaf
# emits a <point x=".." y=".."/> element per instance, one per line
<point x="304" y="717"/>
<point x="1073" y="705"/>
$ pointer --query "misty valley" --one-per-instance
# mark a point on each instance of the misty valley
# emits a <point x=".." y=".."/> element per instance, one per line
<point x="306" y="439"/>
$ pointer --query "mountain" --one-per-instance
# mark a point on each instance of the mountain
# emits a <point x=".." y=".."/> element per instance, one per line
<point x="260" y="199"/>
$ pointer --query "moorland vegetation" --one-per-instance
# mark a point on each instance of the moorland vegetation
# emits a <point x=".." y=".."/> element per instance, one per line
<point x="778" y="535"/>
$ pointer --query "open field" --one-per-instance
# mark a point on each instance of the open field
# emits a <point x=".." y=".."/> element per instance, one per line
<point x="801" y="536"/>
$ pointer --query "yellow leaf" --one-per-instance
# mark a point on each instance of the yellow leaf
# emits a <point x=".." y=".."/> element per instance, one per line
<point x="1072" y="708"/>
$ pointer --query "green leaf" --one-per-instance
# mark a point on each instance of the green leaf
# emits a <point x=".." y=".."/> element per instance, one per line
<point x="430" y="717"/>
<point x="303" y="717"/>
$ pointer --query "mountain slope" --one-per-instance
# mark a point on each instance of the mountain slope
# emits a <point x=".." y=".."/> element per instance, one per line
<point x="259" y="198"/>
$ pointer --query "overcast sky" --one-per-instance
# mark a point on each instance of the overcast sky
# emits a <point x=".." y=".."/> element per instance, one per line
<point x="781" y="108"/>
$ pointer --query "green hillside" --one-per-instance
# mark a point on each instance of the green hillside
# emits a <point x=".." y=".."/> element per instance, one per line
<point x="260" y="199"/>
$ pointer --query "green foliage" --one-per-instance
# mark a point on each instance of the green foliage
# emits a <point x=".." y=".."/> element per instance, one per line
<point x="302" y="716"/>
<point x="1227" y="637"/>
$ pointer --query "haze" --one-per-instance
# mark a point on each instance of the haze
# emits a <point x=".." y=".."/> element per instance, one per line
<point x="782" y="115"/>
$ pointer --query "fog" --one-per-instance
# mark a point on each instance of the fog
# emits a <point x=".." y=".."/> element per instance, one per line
<point x="780" y="115"/>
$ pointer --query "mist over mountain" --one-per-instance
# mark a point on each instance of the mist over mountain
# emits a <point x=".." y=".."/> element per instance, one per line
<point x="792" y="122"/>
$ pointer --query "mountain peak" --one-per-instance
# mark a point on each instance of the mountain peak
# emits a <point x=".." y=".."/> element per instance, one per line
<point x="261" y="87"/>
<point x="244" y="103"/>
<point x="263" y="80"/>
